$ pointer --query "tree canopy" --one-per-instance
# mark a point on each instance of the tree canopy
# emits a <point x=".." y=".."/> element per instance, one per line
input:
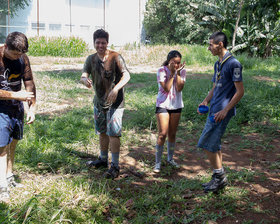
<point x="15" y="5"/>
<point x="252" y="26"/>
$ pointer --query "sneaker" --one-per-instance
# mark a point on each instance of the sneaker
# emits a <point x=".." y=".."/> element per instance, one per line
<point x="12" y="182"/>
<point x="98" y="163"/>
<point x="173" y="163"/>
<point x="157" y="168"/>
<point x="210" y="182"/>
<point x="4" y="194"/>
<point x="113" y="172"/>
<point x="218" y="182"/>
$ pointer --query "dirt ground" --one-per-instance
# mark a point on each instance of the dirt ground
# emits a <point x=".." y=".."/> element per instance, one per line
<point x="264" y="190"/>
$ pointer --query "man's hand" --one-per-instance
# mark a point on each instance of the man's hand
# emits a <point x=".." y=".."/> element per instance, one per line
<point x="23" y="95"/>
<point x="86" y="81"/>
<point x="204" y="103"/>
<point x="30" y="118"/>
<point x="112" y="96"/>
<point x="219" y="116"/>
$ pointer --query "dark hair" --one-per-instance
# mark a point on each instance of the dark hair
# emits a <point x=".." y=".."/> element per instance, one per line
<point x="100" y="33"/>
<point x="172" y="54"/>
<point x="17" y="41"/>
<point x="219" y="37"/>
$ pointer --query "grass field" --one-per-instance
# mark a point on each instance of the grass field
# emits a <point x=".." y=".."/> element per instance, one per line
<point x="59" y="188"/>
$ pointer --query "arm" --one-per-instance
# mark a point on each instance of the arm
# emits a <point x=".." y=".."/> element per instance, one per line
<point x="235" y="99"/>
<point x="167" y="85"/>
<point x="30" y="88"/>
<point x="208" y="98"/>
<point x="85" y="80"/>
<point x="20" y="95"/>
<point x="114" y="92"/>
<point x="179" y="81"/>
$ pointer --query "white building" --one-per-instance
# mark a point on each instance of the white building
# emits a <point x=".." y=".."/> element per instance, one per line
<point x="121" y="18"/>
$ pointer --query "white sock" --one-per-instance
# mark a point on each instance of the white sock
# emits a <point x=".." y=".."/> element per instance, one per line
<point x="3" y="169"/>
<point x="221" y="170"/>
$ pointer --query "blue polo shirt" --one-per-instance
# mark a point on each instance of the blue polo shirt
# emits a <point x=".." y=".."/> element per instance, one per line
<point x="225" y="74"/>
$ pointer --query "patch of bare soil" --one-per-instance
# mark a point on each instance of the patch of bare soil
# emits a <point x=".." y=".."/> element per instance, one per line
<point x="265" y="78"/>
<point x="264" y="189"/>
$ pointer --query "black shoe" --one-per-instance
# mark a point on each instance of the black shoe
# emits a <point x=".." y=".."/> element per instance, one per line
<point x="210" y="182"/>
<point x="218" y="182"/>
<point x="98" y="163"/>
<point x="113" y="172"/>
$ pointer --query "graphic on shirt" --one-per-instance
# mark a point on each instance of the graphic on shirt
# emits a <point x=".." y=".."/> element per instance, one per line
<point x="236" y="72"/>
<point x="4" y="83"/>
<point x="14" y="76"/>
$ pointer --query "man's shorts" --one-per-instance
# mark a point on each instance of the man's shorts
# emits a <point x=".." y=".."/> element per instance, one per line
<point x="11" y="127"/>
<point x="210" y="138"/>
<point x="109" y="122"/>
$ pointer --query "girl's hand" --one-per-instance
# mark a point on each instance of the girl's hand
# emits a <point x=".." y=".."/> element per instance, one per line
<point x="181" y="68"/>
<point x="171" y="67"/>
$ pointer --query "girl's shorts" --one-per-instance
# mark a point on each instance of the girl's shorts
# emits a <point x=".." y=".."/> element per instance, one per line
<point x="164" y="110"/>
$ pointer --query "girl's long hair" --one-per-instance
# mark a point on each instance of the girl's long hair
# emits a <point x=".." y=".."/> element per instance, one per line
<point x="172" y="54"/>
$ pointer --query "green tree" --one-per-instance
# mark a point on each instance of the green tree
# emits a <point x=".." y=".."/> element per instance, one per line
<point x="251" y="25"/>
<point x="15" y="5"/>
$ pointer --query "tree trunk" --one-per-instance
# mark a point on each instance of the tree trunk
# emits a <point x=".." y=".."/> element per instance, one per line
<point x="236" y="24"/>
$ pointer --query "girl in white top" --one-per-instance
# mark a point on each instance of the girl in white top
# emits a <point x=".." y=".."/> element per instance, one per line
<point x="171" y="79"/>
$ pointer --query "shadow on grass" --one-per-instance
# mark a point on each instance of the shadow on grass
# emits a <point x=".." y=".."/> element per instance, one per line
<point x="57" y="145"/>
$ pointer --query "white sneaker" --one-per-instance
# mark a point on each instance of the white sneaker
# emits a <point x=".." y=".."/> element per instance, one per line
<point x="4" y="195"/>
<point x="157" y="168"/>
<point x="173" y="163"/>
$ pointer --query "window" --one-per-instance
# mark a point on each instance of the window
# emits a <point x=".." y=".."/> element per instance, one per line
<point x="55" y="26"/>
<point x="41" y="26"/>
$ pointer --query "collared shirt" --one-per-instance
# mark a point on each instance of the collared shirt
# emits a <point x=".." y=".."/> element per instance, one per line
<point x="171" y="100"/>
<point x="225" y="74"/>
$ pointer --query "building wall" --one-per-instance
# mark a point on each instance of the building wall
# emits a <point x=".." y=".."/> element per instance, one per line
<point x="123" y="19"/>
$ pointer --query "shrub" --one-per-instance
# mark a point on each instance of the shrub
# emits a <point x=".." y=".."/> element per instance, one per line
<point x="57" y="46"/>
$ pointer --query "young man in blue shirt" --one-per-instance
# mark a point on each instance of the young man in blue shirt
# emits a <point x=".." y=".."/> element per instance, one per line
<point x="226" y="93"/>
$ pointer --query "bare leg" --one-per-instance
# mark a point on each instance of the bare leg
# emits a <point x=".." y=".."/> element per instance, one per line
<point x="115" y="144"/>
<point x="173" y="125"/>
<point x="3" y="167"/>
<point x="104" y="142"/>
<point x="11" y="157"/>
<point x="221" y="157"/>
<point x="163" y="123"/>
<point x="215" y="159"/>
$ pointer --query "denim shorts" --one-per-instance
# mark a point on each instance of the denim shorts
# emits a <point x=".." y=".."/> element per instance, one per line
<point x="109" y="122"/>
<point x="11" y="127"/>
<point x="210" y="138"/>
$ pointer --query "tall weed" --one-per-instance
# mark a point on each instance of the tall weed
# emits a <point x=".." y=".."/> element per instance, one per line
<point x="57" y="46"/>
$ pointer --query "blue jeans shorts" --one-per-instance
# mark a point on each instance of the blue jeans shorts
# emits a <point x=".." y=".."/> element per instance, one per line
<point x="109" y="122"/>
<point x="210" y="138"/>
<point x="11" y="127"/>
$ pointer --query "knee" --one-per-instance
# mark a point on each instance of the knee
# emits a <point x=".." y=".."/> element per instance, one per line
<point x="162" y="136"/>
